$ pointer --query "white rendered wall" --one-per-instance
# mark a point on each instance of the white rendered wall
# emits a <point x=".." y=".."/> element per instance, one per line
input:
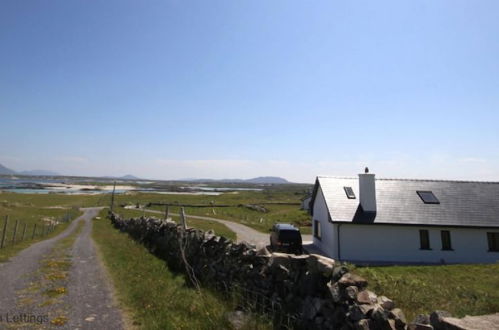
<point x="320" y="212"/>
<point x="385" y="243"/>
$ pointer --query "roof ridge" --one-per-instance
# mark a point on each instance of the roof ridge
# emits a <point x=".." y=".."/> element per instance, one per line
<point x="337" y="177"/>
<point x="406" y="179"/>
<point x="438" y="180"/>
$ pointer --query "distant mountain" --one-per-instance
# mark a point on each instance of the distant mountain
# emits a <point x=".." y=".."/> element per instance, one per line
<point x="39" y="172"/>
<point x="259" y="180"/>
<point x="124" y="177"/>
<point x="267" y="179"/>
<point x="6" y="171"/>
<point x="129" y="177"/>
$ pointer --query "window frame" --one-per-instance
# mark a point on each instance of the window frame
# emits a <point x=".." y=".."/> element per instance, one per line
<point x="349" y="196"/>
<point x="421" y="192"/>
<point x="424" y="237"/>
<point x="446" y="240"/>
<point x="317" y="229"/>
<point x="493" y="241"/>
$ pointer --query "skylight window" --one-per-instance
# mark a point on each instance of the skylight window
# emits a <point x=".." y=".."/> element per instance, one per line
<point x="349" y="192"/>
<point x="428" y="197"/>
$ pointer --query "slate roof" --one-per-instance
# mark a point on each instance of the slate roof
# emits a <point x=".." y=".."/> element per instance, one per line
<point x="462" y="203"/>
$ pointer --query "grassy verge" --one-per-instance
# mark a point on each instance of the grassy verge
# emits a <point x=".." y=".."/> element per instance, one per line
<point x="219" y="228"/>
<point x="154" y="296"/>
<point x="459" y="289"/>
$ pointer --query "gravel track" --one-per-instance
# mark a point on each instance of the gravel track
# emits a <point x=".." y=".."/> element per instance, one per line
<point x="88" y="303"/>
<point x="90" y="295"/>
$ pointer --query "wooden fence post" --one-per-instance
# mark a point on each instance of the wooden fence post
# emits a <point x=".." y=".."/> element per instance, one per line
<point x="4" y="232"/>
<point x="15" y="232"/>
<point x="112" y="197"/>
<point x="24" y="231"/>
<point x="167" y="211"/>
<point x="182" y="219"/>
<point x="34" y="232"/>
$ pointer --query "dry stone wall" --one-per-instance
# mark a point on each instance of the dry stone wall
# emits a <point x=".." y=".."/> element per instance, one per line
<point x="321" y="293"/>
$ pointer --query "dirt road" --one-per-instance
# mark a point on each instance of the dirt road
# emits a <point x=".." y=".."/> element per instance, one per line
<point x="58" y="282"/>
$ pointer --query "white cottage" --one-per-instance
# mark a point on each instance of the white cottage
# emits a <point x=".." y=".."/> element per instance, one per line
<point x="367" y="220"/>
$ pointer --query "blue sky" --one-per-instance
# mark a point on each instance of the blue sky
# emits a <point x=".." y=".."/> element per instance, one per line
<point x="175" y="89"/>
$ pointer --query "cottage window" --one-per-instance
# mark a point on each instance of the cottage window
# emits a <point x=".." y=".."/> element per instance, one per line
<point x="493" y="239"/>
<point x="446" y="242"/>
<point x="349" y="192"/>
<point x="317" y="229"/>
<point x="424" y="239"/>
<point x="428" y="197"/>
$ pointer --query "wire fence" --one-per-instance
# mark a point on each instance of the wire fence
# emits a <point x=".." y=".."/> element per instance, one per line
<point x="258" y="303"/>
<point x="13" y="232"/>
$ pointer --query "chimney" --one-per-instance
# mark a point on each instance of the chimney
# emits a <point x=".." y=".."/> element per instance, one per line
<point x="367" y="191"/>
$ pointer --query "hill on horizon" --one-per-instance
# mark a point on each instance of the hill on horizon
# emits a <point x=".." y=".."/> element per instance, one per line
<point x="6" y="171"/>
<point x="124" y="177"/>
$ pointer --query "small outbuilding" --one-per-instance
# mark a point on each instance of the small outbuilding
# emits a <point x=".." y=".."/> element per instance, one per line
<point x="397" y="221"/>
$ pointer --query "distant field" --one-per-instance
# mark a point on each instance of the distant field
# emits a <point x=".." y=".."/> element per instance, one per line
<point x="270" y="198"/>
<point x="260" y="221"/>
<point x="459" y="289"/>
<point x="45" y="200"/>
<point x="219" y="228"/>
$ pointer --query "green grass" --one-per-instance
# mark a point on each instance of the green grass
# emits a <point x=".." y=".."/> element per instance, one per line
<point x="30" y="210"/>
<point x="154" y="297"/>
<point x="254" y="219"/>
<point x="46" y="200"/>
<point x="205" y="225"/>
<point x="459" y="289"/>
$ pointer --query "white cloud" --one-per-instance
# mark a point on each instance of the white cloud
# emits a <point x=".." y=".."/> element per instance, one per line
<point x="472" y="160"/>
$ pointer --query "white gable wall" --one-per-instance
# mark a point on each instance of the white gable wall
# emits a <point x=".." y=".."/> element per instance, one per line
<point x="388" y="243"/>
<point x="321" y="213"/>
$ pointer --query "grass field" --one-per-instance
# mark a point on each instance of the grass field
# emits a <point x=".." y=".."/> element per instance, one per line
<point x="28" y="211"/>
<point x="459" y="289"/>
<point x="38" y="208"/>
<point x="260" y="221"/>
<point x="219" y="228"/>
<point x="271" y="198"/>
<point x="154" y="297"/>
